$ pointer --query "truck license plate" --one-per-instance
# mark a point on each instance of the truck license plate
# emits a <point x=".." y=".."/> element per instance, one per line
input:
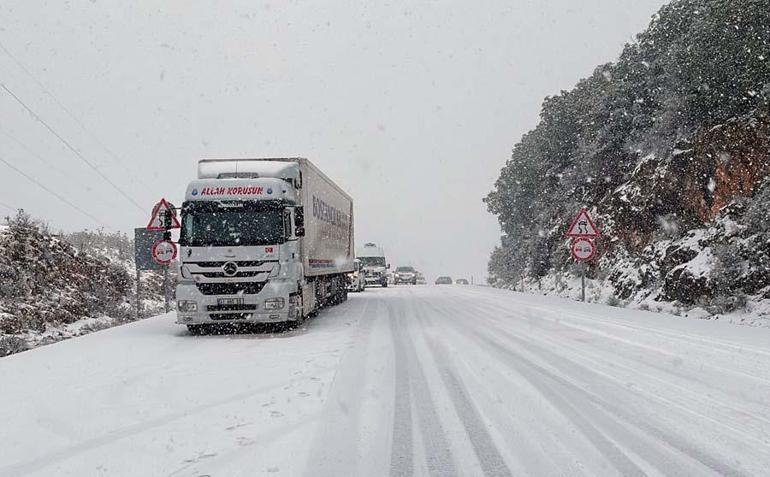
<point x="229" y="301"/>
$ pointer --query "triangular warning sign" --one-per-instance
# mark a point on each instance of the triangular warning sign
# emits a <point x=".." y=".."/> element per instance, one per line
<point x="583" y="226"/>
<point x="162" y="210"/>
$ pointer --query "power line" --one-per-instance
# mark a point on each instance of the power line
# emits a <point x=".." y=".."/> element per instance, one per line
<point x="42" y="186"/>
<point x="34" y="154"/>
<point x="71" y="148"/>
<point x="30" y="151"/>
<point x="15" y="209"/>
<point x="67" y="111"/>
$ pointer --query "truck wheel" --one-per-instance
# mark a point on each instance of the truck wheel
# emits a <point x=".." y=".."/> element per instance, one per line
<point x="293" y="325"/>
<point x="385" y="285"/>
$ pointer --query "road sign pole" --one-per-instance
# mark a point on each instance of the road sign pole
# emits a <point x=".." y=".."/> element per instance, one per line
<point x="166" y="300"/>
<point x="138" y="300"/>
<point x="163" y="251"/>
<point x="584" y="234"/>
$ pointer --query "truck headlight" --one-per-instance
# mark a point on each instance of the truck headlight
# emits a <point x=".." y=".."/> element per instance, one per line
<point x="274" y="303"/>
<point x="187" y="306"/>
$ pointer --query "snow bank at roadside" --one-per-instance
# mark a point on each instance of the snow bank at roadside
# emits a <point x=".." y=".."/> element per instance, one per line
<point x="756" y="312"/>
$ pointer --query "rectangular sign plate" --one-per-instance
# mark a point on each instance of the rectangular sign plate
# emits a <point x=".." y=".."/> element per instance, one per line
<point x="143" y="241"/>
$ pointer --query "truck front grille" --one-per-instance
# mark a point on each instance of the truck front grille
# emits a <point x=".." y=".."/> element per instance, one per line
<point x="240" y="264"/>
<point x="230" y="288"/>
<point x="237" y="275"/>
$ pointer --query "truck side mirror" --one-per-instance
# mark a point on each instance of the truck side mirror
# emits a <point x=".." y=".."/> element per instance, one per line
<point x="299" y="221"/>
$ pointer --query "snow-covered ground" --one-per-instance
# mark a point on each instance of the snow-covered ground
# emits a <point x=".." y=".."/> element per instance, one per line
<point x="401" y="381"/>
<point x="756" y="312"/>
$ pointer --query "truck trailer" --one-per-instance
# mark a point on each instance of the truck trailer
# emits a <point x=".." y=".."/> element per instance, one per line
<point x="262" y="241"/>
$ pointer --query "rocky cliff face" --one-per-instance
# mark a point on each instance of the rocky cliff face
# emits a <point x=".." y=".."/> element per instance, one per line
<point x="670" y="149"/>
<point x="703" y="189"/>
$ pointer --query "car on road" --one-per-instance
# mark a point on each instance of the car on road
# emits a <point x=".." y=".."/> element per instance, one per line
<point x="444" y="281"/>
<point x="405" y="274"/>
<point x="462" y="281"/>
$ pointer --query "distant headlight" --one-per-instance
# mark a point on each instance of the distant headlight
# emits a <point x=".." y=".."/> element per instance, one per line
<point x="187" y="306"/>
<point x="274" y="303"/>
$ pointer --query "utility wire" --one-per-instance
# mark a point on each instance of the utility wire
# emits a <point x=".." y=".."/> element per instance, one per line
<point x="48" y="164"/>
<point x="68" y="111"/>
<point x="42" y="186"/>
<point x="35" y="155"/>
<point x="72" y="148"/>
<point x="15" y="209"/>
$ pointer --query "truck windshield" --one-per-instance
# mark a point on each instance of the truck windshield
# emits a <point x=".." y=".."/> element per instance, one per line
<point x="231" y="224"/>
<point x="372" y="261"/>
<point x="405" y="269"/>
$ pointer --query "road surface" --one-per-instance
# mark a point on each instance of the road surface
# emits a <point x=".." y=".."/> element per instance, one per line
<point x="436" y="381"/>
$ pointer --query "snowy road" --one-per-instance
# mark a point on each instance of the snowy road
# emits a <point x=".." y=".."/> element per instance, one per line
<point x="405" y="381"/>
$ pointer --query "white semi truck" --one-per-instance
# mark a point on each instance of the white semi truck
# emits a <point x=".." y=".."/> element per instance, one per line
<point x="262" y="241"/>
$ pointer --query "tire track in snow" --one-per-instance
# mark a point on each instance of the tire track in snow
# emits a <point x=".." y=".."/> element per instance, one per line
<point x="565" y="386"/>
<point x="531" y="449"/>
<point x="592" y="326"/>
<point x="601" y="430"/>
<point x="701" y="396"/>
<point x="409" y="369"/>
<point x="549" y="383"/>
<point x="402" y="455"/>
<point x="491" y="461"/>
<point x="717" y="415"/>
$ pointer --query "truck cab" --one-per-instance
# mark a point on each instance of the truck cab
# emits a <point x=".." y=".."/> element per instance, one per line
<point x="374" y="264"/>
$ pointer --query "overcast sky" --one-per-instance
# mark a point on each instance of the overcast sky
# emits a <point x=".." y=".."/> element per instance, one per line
<point x="412" y="107"/>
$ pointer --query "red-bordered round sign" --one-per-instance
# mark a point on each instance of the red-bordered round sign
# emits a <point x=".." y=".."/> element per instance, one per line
<point x="583" y="250"/>
<point x="164" y="252"/>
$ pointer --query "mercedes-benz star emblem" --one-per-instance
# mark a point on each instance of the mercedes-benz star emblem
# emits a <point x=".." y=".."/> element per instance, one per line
<point x="230" y="269"/>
